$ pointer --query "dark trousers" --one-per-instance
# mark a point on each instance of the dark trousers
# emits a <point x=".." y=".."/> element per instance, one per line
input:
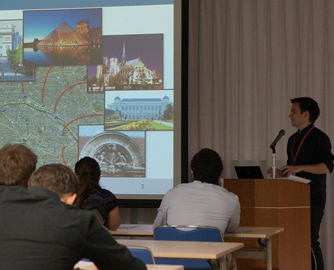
<point x="317" y="212"/>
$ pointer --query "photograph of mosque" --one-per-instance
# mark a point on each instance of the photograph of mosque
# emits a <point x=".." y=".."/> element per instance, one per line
<point x="130" y="62"/>
<point x="11" y="53"/>
<point x="62" y="37"/>
<point x="119" y="154"/>
<point x="139" y="110"/>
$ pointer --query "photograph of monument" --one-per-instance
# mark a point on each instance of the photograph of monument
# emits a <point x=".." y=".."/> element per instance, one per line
<point x="120" y="154"/>
<point x="139" y="110"/>
<point x="130" y="62"/>
<point x="11" y="53"/>
<point x="62" y="37"/>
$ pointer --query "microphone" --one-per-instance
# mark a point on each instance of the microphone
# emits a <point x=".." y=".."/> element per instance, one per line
<point x="279" y="136"/>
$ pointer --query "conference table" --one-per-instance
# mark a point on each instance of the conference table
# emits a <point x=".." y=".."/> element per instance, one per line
<point x="186" y="250"/>
<point x="262" y="234"/>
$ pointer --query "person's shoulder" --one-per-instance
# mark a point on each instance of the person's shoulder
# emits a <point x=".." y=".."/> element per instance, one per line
<point x="73" y="210"/>
<point x="109" y="199"/>
<point x="320" y="133"/>
<point x="215" y="189"/>
<point x="100" y="194"/>
<point x="230" y="194"/>
<point x="183" y="186"/>
<point x="221" y="192"/>
<point x="101" y="199"/>
<point x="74" y="221"/>
<point x="293" y="136"/>
<point x="33" y="195"/>
<point x="12" y="189"/>
<point x="177" y="189"/>
<point x="74" y="213"/>
<point x="106" y="193"/>
<point x="233" y="196"/>
<point x="12" y="192"/>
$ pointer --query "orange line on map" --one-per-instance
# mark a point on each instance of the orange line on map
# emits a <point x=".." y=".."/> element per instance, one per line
<point x="90" y="115"/>
<point x="46" y="77"/>
<point x="55" y="108"/>
<point x="22" y="85"/>
<point x="62" y="155"/>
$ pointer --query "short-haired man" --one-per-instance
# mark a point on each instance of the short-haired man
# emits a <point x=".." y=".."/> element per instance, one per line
<point x="310" y="156"/>
<point x="203" y="202"/>
<point x="40" y="230"/>
<point x="17" y="163"/>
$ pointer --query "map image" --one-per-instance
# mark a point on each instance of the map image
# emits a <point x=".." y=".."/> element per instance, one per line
<point x="45" y="114"/>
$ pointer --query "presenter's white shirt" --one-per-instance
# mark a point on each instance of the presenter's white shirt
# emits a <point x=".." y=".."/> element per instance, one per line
<point x="200" y="204"/>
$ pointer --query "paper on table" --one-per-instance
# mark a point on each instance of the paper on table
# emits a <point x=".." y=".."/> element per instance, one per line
<point x="241" y="231"/>
<point x="297" y="179"/>
<point x="85" y="265"/>
<point x="127" y="227"/>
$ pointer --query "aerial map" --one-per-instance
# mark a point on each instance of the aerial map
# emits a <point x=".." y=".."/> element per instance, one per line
<point x="45" y="114"/>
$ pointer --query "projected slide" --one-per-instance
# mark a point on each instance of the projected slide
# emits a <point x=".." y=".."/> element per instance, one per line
<point x="95" y="82"/>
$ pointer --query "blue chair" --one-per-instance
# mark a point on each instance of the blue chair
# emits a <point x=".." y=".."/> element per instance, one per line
<point x="142" y="253"/>
<point x="188" y="233"/>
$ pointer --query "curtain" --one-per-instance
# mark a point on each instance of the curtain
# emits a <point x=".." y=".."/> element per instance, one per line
<point x="247" y="59"/>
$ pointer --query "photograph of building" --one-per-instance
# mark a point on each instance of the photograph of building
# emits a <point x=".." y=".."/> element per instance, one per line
<point x="130" y="62"/>
<point x="11" y="53"/>
<point x="63" y="37"/>
<point x="144" y="110"/>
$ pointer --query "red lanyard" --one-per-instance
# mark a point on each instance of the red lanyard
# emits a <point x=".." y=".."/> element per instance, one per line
<point x="294" y="157"/>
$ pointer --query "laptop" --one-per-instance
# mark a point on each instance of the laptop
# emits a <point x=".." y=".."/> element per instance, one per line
<point x="248" y="172"/>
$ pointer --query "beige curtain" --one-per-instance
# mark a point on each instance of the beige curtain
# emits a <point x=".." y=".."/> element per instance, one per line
<point x="247" y="59"/>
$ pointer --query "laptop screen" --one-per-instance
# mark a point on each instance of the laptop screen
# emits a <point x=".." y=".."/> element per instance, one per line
<point x="249" y="172"/>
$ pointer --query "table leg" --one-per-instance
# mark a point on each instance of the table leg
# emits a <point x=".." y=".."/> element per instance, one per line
<point x="268" y="255"/>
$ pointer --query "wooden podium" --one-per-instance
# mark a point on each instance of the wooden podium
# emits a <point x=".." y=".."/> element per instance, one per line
<point x="276" y="203"/>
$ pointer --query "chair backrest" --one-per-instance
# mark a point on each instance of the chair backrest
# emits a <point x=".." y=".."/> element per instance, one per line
<point x="188" y="233"/>
<point x="142" y="253"/>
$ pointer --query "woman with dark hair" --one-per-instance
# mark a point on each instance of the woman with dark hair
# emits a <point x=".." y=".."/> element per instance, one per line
<point x="92" y="197"/>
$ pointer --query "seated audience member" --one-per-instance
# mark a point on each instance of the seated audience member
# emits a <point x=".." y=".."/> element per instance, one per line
<point x="202" y="202"/>
<point x="91" y="196"/>
<point x="17" y="163"/>
<point x="40" y="230"/>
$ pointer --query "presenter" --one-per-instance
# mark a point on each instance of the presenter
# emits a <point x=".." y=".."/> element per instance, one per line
<point x="310" y="156"/>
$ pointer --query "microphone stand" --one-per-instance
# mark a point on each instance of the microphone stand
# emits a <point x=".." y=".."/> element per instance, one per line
<point x="274" y="160"/>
